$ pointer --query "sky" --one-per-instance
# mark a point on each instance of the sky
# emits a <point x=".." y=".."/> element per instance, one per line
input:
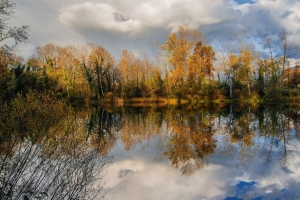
<point x="140" y="26"/>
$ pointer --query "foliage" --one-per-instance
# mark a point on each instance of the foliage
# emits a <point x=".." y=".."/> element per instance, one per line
<point x="89" y="74"/>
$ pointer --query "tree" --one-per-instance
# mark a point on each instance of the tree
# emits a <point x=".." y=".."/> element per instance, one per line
<point x="200" y="67"/>
<point x="261" y="78"/>
<point x="8" y="34"/>
<point x="125" y="68"/>
<point x="241" y="68"/>
<point x="136" y="75"/>
<point x="288" y="47"/>
<point x="156" y="84"/>
<point x="177" y="51"/>
<point x="101" y="70"/>
<point x="293" y="77"/>
<point x="18" y="34"/>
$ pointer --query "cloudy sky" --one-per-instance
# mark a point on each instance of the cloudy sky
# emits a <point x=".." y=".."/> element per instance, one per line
<point x="139" y="25"/>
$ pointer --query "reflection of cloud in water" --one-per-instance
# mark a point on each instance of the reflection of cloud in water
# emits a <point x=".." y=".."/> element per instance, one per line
<point x="287" y="171"/>
<point x="137" y="175"/>
<point x="247" y="161"/>
<point x="252" y="190"/>
<point x="125" y="172"/>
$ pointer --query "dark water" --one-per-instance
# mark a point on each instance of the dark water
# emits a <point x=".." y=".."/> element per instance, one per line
<point x="205" y="152"/>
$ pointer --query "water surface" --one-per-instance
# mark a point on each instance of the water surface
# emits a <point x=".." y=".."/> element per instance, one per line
<point x="231" y="152"/>
<point x="205" y="152"/>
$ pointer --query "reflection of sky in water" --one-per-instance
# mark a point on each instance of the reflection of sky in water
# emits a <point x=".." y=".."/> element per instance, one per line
<point x="244" y="1"/>
<point x="142" y="174"/>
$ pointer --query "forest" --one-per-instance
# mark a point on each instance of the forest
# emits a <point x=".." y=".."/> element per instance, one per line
<point x="185" y="70"/>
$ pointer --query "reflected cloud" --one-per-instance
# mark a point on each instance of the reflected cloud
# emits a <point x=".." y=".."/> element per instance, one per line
<point x="215" y="181"/>
<point x="125" y="172"/>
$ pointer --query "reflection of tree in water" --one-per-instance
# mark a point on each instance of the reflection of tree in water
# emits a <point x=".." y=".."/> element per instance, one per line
<point x="279" y="123"/>
<point x="240" y="127"/>
<point x="103" y="126"/>
<point x="294" y="119"/>
<point x="191" y="141"/>
<point x="187" y="137"/>
<point x="190" y="137"/>
<point x="140" y="125"/>
<point x="48" y="151"/>
<point x="259" y="132"/>
<point x="44" y="153"/>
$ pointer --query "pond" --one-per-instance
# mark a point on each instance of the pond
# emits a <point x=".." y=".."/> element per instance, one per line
<point x="209" y="151"/>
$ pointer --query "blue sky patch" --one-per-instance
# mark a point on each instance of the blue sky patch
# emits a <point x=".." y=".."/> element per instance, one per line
<point x="244" y="1"/>
<point x="245" y="186"/>
<point x="242" y="188"/>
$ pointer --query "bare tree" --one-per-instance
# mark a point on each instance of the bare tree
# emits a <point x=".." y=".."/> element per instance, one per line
<point x="18" y="34"/>
<point x="7" y="35"/>
<point x="44" y="171"/>
<point x="289" y="48"/>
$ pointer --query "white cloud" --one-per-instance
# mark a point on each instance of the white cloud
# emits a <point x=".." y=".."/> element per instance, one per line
<point x="142" y="16"/>
<point x="135" y="24"/>
<point x="97" y="16"/>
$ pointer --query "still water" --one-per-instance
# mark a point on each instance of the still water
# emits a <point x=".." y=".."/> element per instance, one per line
<point x="207" y="153"/>
<point x="204" y="152"/>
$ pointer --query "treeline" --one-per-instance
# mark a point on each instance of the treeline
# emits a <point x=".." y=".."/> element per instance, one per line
<point x="187" y="69"/>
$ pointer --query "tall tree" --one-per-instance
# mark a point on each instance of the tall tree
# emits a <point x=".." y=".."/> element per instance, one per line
<point x="276" y="73"/>
<point x="288" y="47"/>
<point x="8" y="34"/>
<point x="200" y="66"/>
<point x="177" y="51"/>
<point x="241" y="68"/>
<point x="17" y="34"/>
<point x="125" y="66"/>
<point x="101" y="68"/>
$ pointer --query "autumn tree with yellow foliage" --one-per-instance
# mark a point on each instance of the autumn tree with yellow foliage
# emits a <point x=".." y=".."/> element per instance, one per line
<point x="189" y="62"/>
